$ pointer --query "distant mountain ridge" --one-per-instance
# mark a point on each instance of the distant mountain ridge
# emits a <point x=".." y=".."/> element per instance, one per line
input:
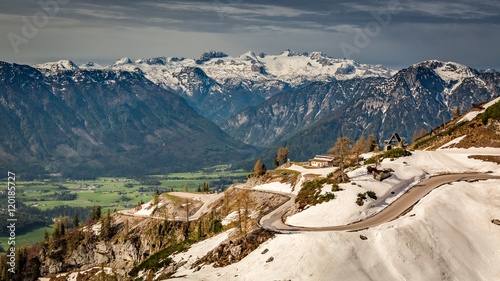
<point x="218" y="86"/>
<point x="286" y="113"/>
<point x="304" y="101"/>
<point x="102" y="122"/>
<point x="410" y="100"/>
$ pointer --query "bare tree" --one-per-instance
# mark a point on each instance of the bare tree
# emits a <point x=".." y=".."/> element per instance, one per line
<point x="415" y="135"/>
<point x="359" y="147"/>
<point x="422" y="133"/>
<point x="257" y="166"/>
<point x="226" y="202"/>
<point x="443" y="112"/>
<point x="243" y="204"/>
<point x="341" y="150"/>
<point x="187" y="210"/>
<point x="283" y="154"/>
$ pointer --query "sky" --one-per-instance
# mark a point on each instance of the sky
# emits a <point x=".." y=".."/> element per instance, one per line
<point x="394" y="33"/>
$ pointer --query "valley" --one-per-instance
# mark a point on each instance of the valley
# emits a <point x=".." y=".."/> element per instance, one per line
<point x="109" y="193"/>
<point x="156" y="156"/>
<point x="249" y="140"/>
<point x="436" y="201"/>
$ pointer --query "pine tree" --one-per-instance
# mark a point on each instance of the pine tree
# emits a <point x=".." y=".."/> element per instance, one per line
<point x="156" y="199"/>
<point x="57" y="230"/>
<point x="76" y="222"/>
<point x="199" y="188"/>
<point x="200" y="234"/>
<point x="96" y="213"/>
<point x="212" y="221"/>
<point x="443" y="112"/>
<point x="64" y="224"/>
<point x="46" y="237"/>
<point x="106" y="226"/>
<point x="206" y="188"/>
<point x="276" y="161"/>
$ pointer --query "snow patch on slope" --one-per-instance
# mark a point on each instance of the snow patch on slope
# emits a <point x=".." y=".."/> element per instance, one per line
<point x="197" y="251"/>
<point x="321" y="172"/>
<point x="408" y="171"/>
<point x="275" y="186"/>
<point x="473" y="114"/>
<point x="449" y="237"/>
<point x="454" y="141"/>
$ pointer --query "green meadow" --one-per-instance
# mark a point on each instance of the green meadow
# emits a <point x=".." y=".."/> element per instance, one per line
<point x="110" y="192"/>
<point x="30" y="237"/>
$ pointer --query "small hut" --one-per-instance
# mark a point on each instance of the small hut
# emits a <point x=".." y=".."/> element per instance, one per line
<point x="321" y="161"/>
<point x="394" y="141"/>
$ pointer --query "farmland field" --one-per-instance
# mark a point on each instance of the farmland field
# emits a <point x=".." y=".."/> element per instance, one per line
<point x="109" y="193"/>
<point x="32" y="236"/>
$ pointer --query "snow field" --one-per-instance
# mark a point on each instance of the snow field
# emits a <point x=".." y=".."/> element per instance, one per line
<point x="448" y="235"/>
<point x="199" y="250"/>
<point x="408" y="171"/>
<point x="275" y="186"/>
<point x="147" y="209"/>
<point x="321" y="172"/>
<point x="454" y="141"/>
<point x="233" y="216"/>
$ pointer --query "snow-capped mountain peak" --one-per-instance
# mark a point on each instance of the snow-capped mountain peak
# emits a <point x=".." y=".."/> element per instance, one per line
<point x="449" y="71"/>
<point x="208" y="55"/>
<point x="488" y="70"/>
<point x="219" y="85"/>
<point x="57" y="66"/>
<point x="122" y="61"/>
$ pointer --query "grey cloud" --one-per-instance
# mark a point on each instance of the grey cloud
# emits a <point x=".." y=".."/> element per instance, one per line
<point x="264" y="25"/>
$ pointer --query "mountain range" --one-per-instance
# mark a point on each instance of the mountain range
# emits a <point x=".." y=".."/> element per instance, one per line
<point x="218" y="86"/>
<point x="83" y="123"/>
<point x="410" y="100"/>
<point x="160" y="114"/>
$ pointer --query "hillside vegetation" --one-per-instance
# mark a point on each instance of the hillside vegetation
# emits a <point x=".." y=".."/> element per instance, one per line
<point x="481" y="131"/>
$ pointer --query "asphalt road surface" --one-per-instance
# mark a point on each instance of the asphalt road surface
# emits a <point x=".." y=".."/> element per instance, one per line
<point x="273" y="220"/>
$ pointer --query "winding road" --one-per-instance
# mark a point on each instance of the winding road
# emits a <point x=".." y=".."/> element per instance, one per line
<point x="273" y="220"/>
<point x="207" y="199"/>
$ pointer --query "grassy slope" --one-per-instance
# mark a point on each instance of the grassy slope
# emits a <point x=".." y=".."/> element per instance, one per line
<point x="476" y="134"/>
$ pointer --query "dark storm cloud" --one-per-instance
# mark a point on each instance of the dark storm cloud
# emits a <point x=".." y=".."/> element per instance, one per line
<point x="233" y="15"/>
<point x="336" y="20"/>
